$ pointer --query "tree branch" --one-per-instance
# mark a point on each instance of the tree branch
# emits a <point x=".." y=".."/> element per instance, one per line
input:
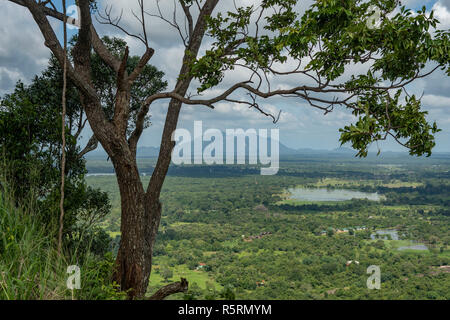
<point x="107" y="18"/>
<point x="51" y="41"/>
<point x="188" y="15"/>
<point x="91" y="146"/>
<point x="140" y="66"/>
<point x="176" y="287"/>
<point x="173" y="112"/>
<point x="97" y="43"/>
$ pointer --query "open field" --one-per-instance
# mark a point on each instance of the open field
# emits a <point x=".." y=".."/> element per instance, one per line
<point x="299" y="249"/>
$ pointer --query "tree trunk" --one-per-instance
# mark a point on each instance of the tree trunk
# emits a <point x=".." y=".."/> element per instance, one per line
<point x="141" y="213"/>
<point x="141" y="210"/>
<point x="139" y="224"/>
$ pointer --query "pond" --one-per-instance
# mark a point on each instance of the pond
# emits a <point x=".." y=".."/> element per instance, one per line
<point x="323" y="194"/>
<point x="414" y="247"/>
<point x="383" y="234"/>
<point x="393" y="233"/>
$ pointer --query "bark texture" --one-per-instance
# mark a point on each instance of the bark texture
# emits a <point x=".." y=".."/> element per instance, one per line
<point x="141" y="208"/>
<point x="181" y="286"/>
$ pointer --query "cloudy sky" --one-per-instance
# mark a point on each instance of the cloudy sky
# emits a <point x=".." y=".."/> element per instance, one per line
<point x="22" y="55"/>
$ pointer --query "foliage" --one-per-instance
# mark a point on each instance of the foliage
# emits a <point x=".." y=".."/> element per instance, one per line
<point x="30" y="130"/>
<point x="30" y="267"/>
<point x="299" y="261"/>
<point x="329" y="38"/>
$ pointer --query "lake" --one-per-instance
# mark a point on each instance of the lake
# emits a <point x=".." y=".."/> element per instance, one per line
<point x="323" y="194"/>
<point x="99" y="174"/>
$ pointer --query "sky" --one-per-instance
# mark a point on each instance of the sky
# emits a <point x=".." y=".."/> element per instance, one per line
<point x="23" y="55"/>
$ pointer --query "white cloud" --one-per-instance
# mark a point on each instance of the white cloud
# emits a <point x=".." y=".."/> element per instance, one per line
<point x="22" y="52"/>
<point x="442" y="13"/>
<point x="435" y="101"/>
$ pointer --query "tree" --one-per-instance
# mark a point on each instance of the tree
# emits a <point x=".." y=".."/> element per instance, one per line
<point x="166" y="273"/>
<point x="30" y="146"/>
<point x="32" y="154"/>
<point x="330" y="232"/>
<point x="30" y="142"/>
<point x="329" y="37"/>
<point x="227" y="293"/>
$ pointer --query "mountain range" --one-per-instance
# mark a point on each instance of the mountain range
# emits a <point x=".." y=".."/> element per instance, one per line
<point x="152" y="152"/>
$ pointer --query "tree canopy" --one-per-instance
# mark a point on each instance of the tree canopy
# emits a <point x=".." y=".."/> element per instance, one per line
<point x="322" y="45"/>
<point x="273" y="41"/>
<point x="30" y="139"/>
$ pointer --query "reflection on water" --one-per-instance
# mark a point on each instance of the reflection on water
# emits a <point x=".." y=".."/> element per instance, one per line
<point x="414" y="247"/>
<point x="322" y="194"/>
<point x="392" y="234"/>
<point x="383" y="234"/>
<point x="99" y="174"/>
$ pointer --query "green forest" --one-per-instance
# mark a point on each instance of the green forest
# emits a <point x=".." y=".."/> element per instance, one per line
<point x="207" y="220"/>
<point x="235" y="234"/>
<point x="95" y="203"/>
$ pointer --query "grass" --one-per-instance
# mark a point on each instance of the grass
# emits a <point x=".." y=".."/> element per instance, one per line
<point x="361" y="183"/>
<point x="393" y="245"/>
<point x="29" y="266"/>
<point x="32" y="269"/>
<point x="113" y="234"/>
<point x="294" y="202"/>
<point x="202" y="278"/>
<point x="245" y="253"/>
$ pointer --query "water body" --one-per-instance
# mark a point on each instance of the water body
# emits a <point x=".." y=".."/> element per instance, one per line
<point x="323" y="194"/>
<point x="414" y="247"/>
<point x="383" y="234"/>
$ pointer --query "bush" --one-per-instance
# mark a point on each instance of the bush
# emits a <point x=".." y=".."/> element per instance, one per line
<point x="30" y="267"/>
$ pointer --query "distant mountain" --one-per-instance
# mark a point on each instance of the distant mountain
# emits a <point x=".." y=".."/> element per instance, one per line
<point x="285" y="152"/>
<point x="142" y="152"/>
<point x="344" y="150"/>
<point x="97" y="154"/>
<point x="283" y="149"/>
<point x="152" y="152"/>
<point x="147" y="152"/>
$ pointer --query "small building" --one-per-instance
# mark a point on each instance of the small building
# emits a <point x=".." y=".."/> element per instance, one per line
<point x="260" y="283"/>
<point x="349" y="262"/>
<point x="201" y="265"/>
